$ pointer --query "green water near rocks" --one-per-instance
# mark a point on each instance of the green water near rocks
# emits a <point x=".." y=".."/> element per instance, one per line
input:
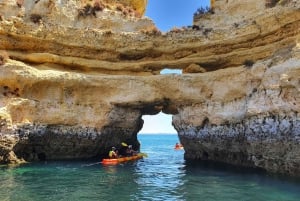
<point x="164" y="175"/>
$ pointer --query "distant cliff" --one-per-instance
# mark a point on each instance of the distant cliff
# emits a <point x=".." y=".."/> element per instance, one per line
<point x="77" y="76"/>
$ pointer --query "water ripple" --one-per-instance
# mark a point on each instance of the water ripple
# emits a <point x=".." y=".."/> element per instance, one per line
<point x="164" y="175"/>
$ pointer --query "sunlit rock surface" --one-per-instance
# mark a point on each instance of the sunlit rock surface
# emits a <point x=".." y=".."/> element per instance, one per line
<point x="78" y="80"/>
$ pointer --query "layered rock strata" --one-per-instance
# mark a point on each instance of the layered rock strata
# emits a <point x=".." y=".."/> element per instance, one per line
<point x="76" y="83"/>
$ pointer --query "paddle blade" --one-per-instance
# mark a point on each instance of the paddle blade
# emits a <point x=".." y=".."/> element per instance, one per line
<point x="144" y="155"/>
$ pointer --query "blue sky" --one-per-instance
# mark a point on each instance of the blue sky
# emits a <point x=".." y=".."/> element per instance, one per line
<point x="167" y="14"/>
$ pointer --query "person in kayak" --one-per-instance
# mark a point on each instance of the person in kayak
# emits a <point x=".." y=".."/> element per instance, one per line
<point x="130" y="151"/>
<point x="178" y="146"/>
<point x="113" y="153"/>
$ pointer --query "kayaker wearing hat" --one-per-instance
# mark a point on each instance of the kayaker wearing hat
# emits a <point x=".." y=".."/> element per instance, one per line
<point x="130" y="151"/>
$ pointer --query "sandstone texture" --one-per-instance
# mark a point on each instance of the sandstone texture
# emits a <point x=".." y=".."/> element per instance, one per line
<point x="77" y="80"/>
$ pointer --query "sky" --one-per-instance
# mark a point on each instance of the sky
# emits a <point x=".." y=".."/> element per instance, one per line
<point x="160" y="123"/>
<point x="167" y="14"/>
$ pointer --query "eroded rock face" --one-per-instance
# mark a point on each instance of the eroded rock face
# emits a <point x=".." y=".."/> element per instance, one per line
<point x="268" y="142"/>
<point x="259" y="129"/>
<point x="74" y="87"/>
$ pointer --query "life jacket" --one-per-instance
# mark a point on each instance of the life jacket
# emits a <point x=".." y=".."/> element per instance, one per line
<point x="111" y="154"/>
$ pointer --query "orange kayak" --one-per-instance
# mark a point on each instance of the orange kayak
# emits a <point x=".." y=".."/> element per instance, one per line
<point x="115" y="161"/>
<point x="178" y="148"/>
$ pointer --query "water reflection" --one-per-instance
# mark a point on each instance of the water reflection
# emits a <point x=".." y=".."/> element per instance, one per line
<point x="160" y="182"/>
<point x="7" y="183"/>
<point x="217" y="182"/>
<point x="161" y="176"/>
<point x="164" y="175"/>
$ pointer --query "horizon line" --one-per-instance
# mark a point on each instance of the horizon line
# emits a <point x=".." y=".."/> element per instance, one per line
<point x="158" y="133"/>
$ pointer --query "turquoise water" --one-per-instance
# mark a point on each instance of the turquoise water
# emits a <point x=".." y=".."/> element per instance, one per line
<point x="164" y="175"/>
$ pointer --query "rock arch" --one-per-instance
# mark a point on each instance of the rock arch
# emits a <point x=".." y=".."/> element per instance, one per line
<point x="217" y="108"/>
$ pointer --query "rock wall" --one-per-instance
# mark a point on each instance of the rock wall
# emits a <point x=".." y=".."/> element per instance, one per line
<point x="76" y="84"/>
<point x="258" y="127"/>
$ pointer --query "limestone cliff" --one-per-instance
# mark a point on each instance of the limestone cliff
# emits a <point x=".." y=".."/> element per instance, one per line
<point x="79" y="78"/>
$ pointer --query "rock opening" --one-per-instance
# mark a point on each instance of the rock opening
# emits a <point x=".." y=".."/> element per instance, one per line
<point x="166" y="15"/>
<point x="160" y="123"/>
<point x="170" y="71"/>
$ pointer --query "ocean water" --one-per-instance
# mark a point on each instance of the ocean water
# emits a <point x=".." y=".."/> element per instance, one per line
<point x="163" y="175"/>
